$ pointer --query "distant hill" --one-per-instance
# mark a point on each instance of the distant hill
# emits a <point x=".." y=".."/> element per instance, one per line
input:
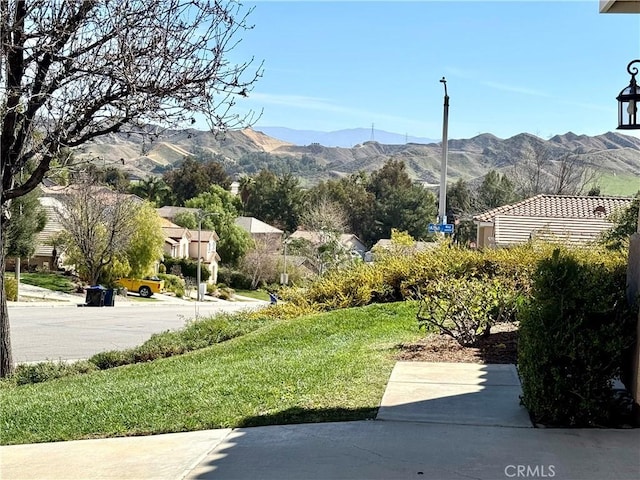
<point x="615" y="155"/>
<point x="340" y="138"/>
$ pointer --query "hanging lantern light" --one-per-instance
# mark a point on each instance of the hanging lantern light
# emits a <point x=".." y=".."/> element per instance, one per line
<point x="629" y="101"/>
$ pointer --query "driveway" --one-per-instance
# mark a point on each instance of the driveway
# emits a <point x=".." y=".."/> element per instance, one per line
<point x="68" y="332"/>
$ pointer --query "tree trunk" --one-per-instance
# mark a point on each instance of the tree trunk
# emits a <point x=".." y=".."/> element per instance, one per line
<point x="6" y="358"/>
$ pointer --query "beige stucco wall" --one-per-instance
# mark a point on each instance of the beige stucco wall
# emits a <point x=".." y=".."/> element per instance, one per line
<point x="485" y="236"/>
<point x="633" y="290"/>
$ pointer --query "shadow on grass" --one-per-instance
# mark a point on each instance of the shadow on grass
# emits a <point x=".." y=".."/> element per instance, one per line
<point x="296" y="415"/>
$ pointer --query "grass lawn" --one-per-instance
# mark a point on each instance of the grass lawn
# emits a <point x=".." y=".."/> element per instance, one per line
<point x="53" y="281"/>
<point x="623" y="185"/>
<point x="257" y="294"/>
<point x="325" y="367"/>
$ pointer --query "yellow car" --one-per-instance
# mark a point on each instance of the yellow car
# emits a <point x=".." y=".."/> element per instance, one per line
<point x="145" y="287"/>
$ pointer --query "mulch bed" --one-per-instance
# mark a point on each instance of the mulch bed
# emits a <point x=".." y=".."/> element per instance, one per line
<point x="501" y="346"/>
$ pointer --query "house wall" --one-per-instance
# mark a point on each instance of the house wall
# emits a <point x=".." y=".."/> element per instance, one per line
<point x="633" y="290"/>
<point x="184" y="248"/>
<point x="485" y="236"/>
<point x="511" y="230"/>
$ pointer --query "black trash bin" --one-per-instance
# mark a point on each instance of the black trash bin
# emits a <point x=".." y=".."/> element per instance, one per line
<point x="95" y="296"/>
<point x="109" y="297"/>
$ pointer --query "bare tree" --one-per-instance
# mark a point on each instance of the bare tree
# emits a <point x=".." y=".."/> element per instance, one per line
<point x="260" y="263"/>
<point x="531" y="173"/>
<point x="72" y="70"/>
<point x="325" y="216"/>
<point x="99" y="225"/>
<point x="572" y="175"/>
<point x="543" y="171"/>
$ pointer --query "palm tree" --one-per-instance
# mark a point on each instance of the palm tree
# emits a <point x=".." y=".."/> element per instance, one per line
<point x="153" y="189"/>
<point x="245" y="185"/>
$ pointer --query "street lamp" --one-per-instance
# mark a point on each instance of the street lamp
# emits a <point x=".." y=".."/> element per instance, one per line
<point x="628" y="101"/>
<point x="201" y="216"/>
<point x="442" y="206"/>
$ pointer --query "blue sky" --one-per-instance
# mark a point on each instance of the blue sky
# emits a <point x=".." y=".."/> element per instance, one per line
<point x="511" y="66"/>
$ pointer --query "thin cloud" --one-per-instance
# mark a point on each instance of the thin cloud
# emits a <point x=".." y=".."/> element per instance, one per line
<point x="300" y="101"/>
<point x="516" y="89"/>
<point x="325" y="105"/>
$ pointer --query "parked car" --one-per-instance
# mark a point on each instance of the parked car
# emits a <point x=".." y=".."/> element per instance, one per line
<point x="145" y="287"/>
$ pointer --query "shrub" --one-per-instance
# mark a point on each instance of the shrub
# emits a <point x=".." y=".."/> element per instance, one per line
<point x="225" y="293"/>
<point x="466" y="308"/>
<point x="45" y="371"/>
<point x="234" y="278"/>
<point x="111" y="359"/>
<point x="187" y="267"/>
<point x="11" y="288"/>
<point x="196" y="334"/>
<point x="173" y="283"/>
<point x="573" y="338"/>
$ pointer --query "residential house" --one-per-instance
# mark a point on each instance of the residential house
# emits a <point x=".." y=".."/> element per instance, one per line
<point x="567" y="218"/>
<point x="180" y="242"/>
<point x="261" y="232"/>
<point x="170" y="212"/>
<point x="176" y="239"/>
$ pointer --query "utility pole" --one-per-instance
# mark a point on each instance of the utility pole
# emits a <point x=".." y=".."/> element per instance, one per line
<point x="442" y="204"/>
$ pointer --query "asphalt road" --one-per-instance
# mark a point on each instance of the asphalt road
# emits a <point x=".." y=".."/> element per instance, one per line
<point x="73" y="333"/>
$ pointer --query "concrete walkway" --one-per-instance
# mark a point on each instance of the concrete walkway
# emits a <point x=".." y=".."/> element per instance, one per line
<point x="433" y="444"/>
<point x="454" y="393"/>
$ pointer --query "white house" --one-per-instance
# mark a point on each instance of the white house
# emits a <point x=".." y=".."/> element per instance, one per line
<point x="568" y="218"/>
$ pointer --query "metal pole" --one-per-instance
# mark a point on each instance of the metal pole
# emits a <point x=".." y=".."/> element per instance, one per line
<point x="198" y="269"/>
<point x="442" y="203"/>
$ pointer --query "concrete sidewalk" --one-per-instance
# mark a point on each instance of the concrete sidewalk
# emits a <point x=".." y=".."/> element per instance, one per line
<point x="454" y="393"/>
<point x="429" y="445"/>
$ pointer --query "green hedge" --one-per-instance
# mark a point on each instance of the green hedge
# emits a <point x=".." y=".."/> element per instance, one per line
<point x="173" y="283"/>
<point x="11" y="288"/>
<point x="188" y="267"/>
<point x="234" y="278"/>
<point x="574" y="339"/>
<point x="407" y="277"/>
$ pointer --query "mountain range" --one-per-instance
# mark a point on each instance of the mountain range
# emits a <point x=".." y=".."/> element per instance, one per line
<point x="612" y="154"/>
<point x="341" y="138"/>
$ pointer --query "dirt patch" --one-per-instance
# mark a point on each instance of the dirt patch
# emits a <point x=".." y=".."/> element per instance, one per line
<point x="501" y="346"/>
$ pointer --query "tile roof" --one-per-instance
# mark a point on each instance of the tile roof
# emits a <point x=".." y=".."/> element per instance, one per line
<point x="171" y="211"/>
<point x="558" y="206"/>
<point x="253" y="225"/>
<point x="176" y="233"/>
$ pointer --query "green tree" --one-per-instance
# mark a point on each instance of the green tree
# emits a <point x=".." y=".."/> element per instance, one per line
<point x="399" y="203"/>
<point x="216" y="198"/>
<point x="67" y="78"/>
<point x="193" y="178"/>
<point x="495" y="191"/>
<point x="625" y="224"/>
<point x="153" y="189"/>
<point x="223" y="208"/>
<point x="459" y="199"/>
<point x="275" y="199"/>
<point x="28" y="218"/>
<point x="146" y="244"/>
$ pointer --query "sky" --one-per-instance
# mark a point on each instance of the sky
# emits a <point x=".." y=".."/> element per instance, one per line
<point x="544" y="68"/>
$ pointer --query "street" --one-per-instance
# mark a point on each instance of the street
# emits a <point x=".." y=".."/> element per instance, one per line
<point x="73" y="333"/>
